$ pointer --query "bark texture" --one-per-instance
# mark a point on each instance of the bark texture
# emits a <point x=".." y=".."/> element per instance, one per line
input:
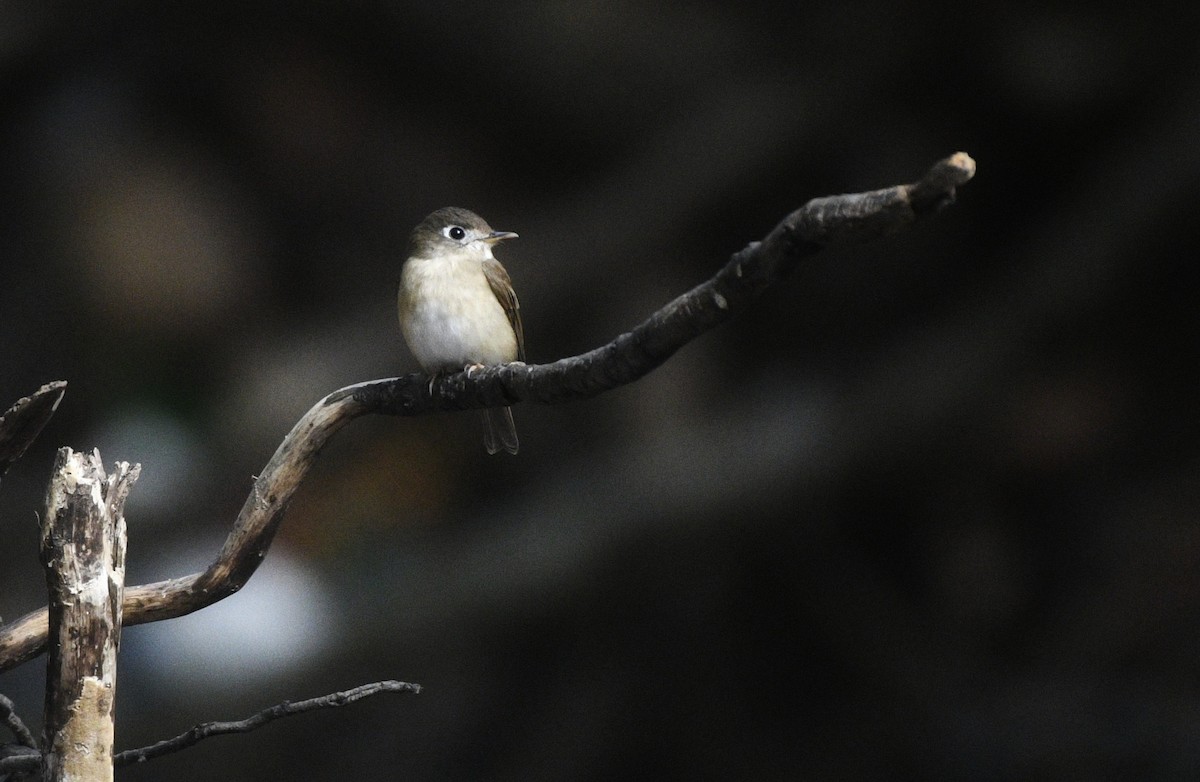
<point x="83" y="553"/>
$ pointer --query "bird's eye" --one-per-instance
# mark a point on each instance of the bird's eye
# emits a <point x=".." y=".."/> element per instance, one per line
<point x="455" y="232"/>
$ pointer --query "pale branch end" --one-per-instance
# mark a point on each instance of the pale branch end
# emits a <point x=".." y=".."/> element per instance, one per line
<point x="821" y="222"/>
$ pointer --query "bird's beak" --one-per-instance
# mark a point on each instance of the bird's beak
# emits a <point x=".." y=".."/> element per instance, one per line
<point x="499" y="236"/>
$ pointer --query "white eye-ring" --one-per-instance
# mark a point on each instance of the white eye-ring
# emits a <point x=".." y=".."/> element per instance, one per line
<point x="455" y="232"/>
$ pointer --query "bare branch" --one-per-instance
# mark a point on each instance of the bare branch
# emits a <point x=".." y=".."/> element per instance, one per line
<point x="841" y="219"/>
<point x="21" y="423"/>
<point x="204" y="730"/>
<point x="23" y="757"/>
<point x="83" y="553"/>
<point x="19" y="760"/>
<point x="8" y="714"/>
<point x="819" y="223"/>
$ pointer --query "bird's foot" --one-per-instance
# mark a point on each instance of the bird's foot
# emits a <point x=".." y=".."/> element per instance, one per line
<point x="433" y="379"/>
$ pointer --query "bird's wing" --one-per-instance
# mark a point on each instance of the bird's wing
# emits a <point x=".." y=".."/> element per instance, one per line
<point x="501" y="285"/>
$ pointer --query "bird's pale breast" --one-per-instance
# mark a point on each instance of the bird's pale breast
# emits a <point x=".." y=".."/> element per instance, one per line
<point x="450" y="316"/>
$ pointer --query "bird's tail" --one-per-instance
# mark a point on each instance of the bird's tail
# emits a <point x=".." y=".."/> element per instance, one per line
<point x="499" y="431"/>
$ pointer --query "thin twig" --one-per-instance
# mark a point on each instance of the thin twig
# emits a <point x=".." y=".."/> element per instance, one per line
<point x="286" y="709"/>
<point x="21" y="732"/>
<point x="22" y="758"/>
<point x="19" y="760"/>
<point x="26" y="758"/>
<point x="821" y="222"/>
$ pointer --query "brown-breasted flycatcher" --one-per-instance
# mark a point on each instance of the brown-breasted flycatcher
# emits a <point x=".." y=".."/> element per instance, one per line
<point x="457" y="306"/>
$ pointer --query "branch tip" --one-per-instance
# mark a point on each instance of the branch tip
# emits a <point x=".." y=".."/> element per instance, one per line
<point x="23" y="421"/>
<point x="936" y="189"/>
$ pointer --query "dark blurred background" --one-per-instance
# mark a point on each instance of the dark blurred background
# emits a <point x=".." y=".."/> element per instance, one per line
<point x="929" y="512"/>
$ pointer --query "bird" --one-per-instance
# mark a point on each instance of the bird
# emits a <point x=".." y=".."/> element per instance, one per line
<point x="457" y="306"/>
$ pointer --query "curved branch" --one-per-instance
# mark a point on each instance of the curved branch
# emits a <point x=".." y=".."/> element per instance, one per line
<point x="819" y="223"/>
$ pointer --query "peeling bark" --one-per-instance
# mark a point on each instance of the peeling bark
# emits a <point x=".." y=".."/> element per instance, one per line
<point x="83" y="553"/>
